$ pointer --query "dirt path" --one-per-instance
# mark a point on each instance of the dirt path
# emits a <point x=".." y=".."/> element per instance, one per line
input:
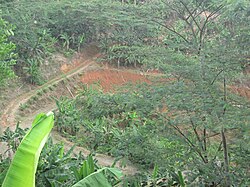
<point x="8" y="118"/>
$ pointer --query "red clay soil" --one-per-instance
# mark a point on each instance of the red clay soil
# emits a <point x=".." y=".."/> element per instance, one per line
<point x="242" y="91"/>
<point x="107" y="78"/>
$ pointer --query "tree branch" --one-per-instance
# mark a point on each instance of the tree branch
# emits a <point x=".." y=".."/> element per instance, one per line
<point x="191" y="15"/>
<point x="191" y="144"/>
<point x="195" y="131"/>
<point x="216" y="76"/>
<point x="172" y="30"/>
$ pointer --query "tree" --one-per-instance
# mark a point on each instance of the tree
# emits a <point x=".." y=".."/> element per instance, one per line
<point x="203" y="108"/>
<point x="7" y="55"/>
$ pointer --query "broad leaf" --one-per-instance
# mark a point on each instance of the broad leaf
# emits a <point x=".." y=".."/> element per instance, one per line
<point x="23" y="167"/>
<point x="98" y="179"/>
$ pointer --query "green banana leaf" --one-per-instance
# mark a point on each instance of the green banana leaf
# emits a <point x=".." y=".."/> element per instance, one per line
<point x="21" y="172"/>
<point x="98" y="179"/>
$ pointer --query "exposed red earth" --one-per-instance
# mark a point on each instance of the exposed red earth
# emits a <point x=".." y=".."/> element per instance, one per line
<point x="109" y="78"/>
<point x="241" y="90"/>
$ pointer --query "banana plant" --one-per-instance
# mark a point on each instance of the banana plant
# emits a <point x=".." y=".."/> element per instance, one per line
<point x="87" y="176"/>
<point x="81" y="39"/>
<point x="66" y="39"/>
<point x="13" y="138"/>
<point x="98" y="178"/>
<point x="22" y="170"/>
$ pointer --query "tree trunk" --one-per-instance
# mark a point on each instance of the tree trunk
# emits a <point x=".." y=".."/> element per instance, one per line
<point x="226" y="160"/>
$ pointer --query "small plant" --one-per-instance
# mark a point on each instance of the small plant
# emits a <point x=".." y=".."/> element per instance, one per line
<point x="66" y="39"/>
<point x="45" y="89"/>
<point x="13" y="138"/>
<point x="81" y="40"/>
<point x="32" y="71"/>
<point x="23" y="106"/>
<point x="40" y="92"/>
<point x="35" y="98"/>
<point x="51" y="88"/>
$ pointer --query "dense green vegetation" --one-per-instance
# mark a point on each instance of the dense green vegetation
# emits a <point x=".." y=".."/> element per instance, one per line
<point x="24" y="165"/>
<point x="7" y="54"/>
<point x="191" y="131"/>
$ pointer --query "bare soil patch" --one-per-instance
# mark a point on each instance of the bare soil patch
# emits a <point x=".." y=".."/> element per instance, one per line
<point x="243" y="91"/>
<point x="108" y="78"/>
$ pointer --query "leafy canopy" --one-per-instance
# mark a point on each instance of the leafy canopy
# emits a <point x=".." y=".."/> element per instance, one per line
<point x="7" y="54"/>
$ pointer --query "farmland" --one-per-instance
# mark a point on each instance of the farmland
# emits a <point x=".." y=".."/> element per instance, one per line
<point x="156" y="89"/>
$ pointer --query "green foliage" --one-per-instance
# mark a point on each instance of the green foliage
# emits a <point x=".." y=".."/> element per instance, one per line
<point x="236" y="18"/>
<point x="86" y="169"/>
<point x="124" y="129"/>
<point x="201" y="104"/>
<point x="54" y="167"/>
<point x="32" y="71"/>
<point x="4" y="166"/>
<point x="23" y="167"/>
<point x="98" y="178"/>
<point x="13" y="138"/>
<point x="69" y="115"/>
<point x="127" y="128"/>
<point x="202" y="45"/>
<point x="40" y="25"/>
<point x="7" y="55"/>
